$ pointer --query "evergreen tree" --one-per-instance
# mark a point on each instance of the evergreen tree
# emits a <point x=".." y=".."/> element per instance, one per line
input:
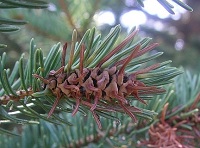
<point x="43" y="92"/>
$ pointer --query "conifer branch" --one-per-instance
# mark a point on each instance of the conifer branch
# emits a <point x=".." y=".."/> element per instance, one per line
<point x="31" y="93"/>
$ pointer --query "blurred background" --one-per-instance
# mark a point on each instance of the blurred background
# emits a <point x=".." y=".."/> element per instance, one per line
<point x="178" y="34"/>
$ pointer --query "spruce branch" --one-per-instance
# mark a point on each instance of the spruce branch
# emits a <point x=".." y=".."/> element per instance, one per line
<point x="180" y="121"/>
<point x="169" y="6"/>
<point x="25" y="4"/>
<point x="25" y="93"/>
<point x="8" y="25"/>
<point x="85" y="131"/>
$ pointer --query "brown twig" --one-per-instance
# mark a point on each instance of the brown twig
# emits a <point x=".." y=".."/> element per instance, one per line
<point x="94" y="139"/>
<point x="91" y="14"/>
<point x="20" y="95"/>
<point x="64" y="7"/>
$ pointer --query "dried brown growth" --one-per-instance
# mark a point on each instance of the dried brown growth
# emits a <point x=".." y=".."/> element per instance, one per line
<point x="172" y="134"/>
<point x="166" y="136"/>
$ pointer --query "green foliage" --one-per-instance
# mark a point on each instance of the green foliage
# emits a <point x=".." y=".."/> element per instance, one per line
<point x="23" y="100"/>
<point x="85" y="132"/>
<point x="187" y="88"/>
<point x="22" y="94"/>
<point x="7" y="25"/>
<point x="168" y="6"/>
